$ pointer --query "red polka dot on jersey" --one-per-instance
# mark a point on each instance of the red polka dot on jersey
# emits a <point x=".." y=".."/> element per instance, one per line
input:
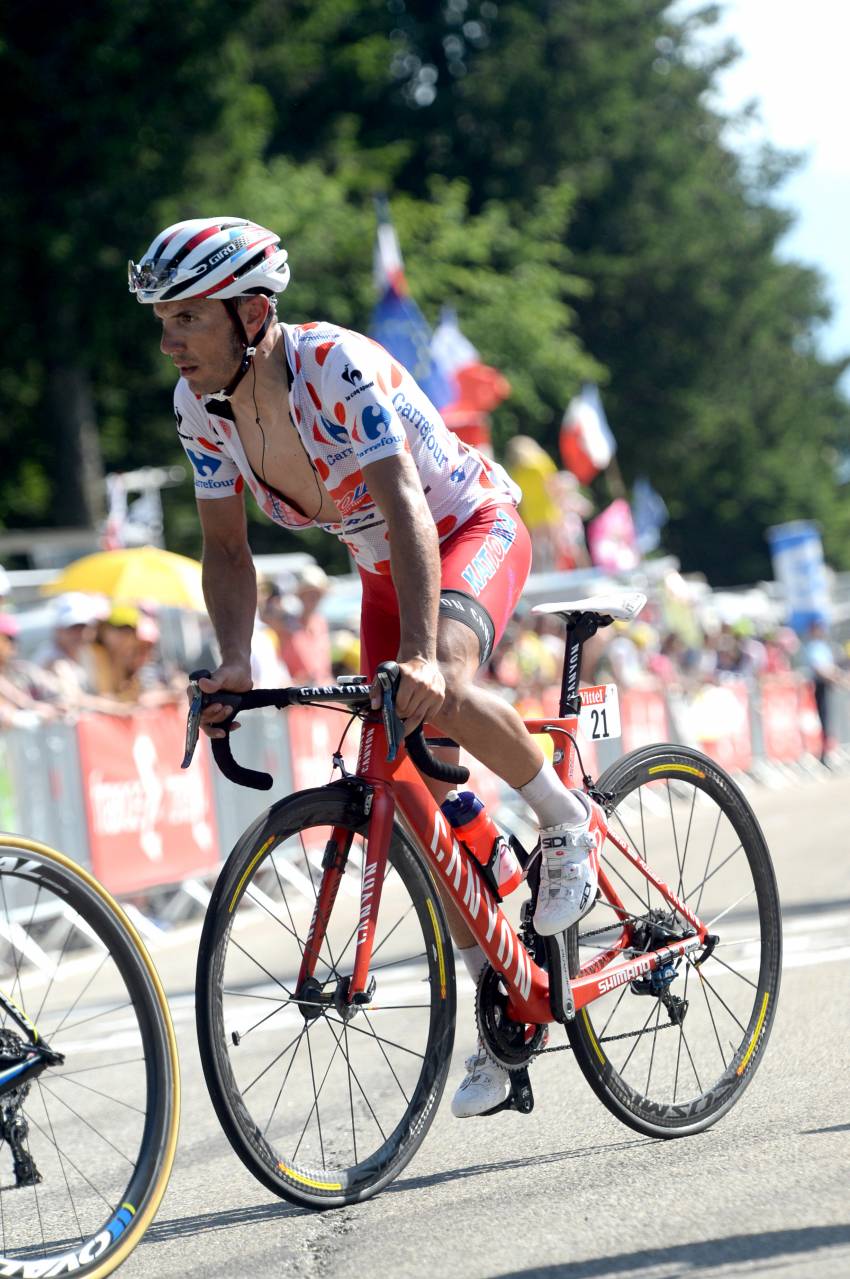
<point x="395" y="376"/>
<point x="240" y="483"/>
<point x="314" y="395"/>
<point x="323" y="351"/>
<point x="446" y="525"/>
<point x="322" y="467"/>
<point x="297" y="362"/>
<point x="339" y="412"/>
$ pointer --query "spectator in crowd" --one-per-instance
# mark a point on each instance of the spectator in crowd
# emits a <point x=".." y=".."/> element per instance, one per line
<point x="531" y="467"/>
<point x="27" y="694"/>
<point x="74" y="619"/>
<point x="821" y="664"/>
<point x="305" y="643"/>
<point x="122" y="660"/>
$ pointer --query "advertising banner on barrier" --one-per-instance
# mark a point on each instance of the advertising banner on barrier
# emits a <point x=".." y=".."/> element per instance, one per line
<point x="150" y="822"/>
<point x="719" y="721"/>
<point x="643" y="714"/>
<point x="780" y="719"/>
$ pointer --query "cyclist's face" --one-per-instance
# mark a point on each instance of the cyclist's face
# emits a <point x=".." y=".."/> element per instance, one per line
<point x="199" y="337"/>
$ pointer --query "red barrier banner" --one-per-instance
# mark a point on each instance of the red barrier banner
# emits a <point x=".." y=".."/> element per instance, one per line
<point x="150" y="822"/>
<point x="643" y="716"/>
<point x="811" y="731"/>
<point x="719" y="722"/>
<point x="780" y="718"/>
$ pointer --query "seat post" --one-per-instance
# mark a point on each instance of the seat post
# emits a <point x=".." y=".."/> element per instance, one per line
<point x="580" y="627"/>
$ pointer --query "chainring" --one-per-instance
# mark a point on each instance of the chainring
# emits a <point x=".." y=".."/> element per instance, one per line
<point x="503" y="1038"/>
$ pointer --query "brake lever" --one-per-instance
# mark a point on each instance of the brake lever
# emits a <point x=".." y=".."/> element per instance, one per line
<point x="193" y="720"/>
<point x="392" y="724"/>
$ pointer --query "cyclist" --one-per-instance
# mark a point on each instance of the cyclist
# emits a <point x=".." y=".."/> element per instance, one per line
<point x="326" y="429"/>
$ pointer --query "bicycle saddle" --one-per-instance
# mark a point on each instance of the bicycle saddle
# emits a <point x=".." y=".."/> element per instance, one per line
<point x="622" y="605"/>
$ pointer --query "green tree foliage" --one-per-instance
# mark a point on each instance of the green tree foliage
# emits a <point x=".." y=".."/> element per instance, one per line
<point x="556" y="172"/>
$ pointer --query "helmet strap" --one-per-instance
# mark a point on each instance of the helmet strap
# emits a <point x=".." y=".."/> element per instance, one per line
<point x="249" y="347"/>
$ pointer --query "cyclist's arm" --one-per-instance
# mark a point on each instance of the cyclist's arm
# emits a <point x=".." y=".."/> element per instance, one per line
<point x="230" y="591"/>
<point x="414" y="547"/>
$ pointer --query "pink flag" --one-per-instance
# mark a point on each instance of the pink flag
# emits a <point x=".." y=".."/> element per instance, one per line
<point x="611" y="539"/>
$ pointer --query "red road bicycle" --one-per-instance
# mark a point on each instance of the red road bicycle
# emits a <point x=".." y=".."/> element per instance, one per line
<point x="326" y="982"/>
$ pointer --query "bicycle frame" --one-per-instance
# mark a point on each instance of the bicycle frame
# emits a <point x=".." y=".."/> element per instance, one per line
<point x="397" y="787"/>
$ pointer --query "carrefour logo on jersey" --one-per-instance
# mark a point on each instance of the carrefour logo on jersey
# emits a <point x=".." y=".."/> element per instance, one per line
<point x="203" y="464"/>
<point x="404" y="408"/>
<point x="338" y="434"/>
<point x="376" y="420"/>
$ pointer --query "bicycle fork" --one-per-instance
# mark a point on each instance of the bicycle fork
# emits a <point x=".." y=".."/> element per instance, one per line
<point x="358" y="988"/>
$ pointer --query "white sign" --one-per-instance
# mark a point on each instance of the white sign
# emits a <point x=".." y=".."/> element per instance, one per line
<point x="599" y="719"/>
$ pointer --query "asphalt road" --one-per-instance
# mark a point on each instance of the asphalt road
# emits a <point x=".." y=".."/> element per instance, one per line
<point x="567" y="1192"/>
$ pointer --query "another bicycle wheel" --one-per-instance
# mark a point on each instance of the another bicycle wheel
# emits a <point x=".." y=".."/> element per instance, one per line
<point x="86" y="1147"/>
<point x="669" y="1054"/>
<point x="323" y="1102"/>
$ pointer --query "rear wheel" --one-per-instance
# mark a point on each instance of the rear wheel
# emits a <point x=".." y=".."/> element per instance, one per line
<point x="86" y="1147"/>
<point x="668" y="1057"/>
<point x="323" y="1102"/>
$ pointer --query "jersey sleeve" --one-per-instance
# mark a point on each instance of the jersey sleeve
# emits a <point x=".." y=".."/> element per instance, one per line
<point x="357" y="387"/>
<point x="215" y="474"/>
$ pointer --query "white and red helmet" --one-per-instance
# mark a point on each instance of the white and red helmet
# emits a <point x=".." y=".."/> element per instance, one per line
<point x="216" y="258"/>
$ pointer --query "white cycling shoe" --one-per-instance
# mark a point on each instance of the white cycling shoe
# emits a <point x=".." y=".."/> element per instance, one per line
<point x="484" y="1086"/>
<point x="569" y="873"/>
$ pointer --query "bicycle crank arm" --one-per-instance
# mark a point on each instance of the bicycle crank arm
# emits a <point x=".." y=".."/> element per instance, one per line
<point x="560" y="991"/>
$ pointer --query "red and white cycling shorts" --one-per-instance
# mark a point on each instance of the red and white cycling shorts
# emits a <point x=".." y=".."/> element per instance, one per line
<point x="485" y="564"/>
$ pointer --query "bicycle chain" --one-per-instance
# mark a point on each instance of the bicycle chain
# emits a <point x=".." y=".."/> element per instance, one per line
<point x="609" y="1039"/>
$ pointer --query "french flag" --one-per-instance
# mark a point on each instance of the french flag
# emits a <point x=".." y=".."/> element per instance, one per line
<point x="586" y="443"/>
<point x="479" y="388"/>
<point x="397" y="323"/>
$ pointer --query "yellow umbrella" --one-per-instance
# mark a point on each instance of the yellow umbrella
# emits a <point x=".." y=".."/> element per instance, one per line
<point x="135" y="575"/>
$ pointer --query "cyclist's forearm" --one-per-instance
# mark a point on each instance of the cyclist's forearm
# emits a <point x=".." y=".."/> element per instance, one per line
<point x="230" y="591"/>
<point x="415" y="567"/>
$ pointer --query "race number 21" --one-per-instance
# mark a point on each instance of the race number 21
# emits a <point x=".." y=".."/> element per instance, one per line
<point x="599" y="719"/>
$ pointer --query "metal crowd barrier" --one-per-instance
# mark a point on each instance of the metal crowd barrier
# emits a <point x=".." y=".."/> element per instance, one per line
<point x="45" y="795"/>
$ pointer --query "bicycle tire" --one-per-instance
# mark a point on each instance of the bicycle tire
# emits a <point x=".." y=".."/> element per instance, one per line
<point x="262" y="1115"/>
<point x="735" y="1006"/>
<point x="119" y="970"/>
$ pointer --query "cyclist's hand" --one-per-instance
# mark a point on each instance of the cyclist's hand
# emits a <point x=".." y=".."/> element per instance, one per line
<point x="234" y="677"/>
<point x="421" y="692"/>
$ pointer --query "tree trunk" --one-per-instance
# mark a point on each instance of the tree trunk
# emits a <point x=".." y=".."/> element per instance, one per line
<point x="79" y="499"/>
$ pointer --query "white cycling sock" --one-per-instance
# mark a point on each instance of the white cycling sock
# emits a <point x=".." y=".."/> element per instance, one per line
<point x="553" y="804"/>
<point x="474" y="959"/>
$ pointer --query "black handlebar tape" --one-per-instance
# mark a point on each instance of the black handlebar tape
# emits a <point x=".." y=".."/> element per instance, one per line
<point x="234" y="772"/>
<point x="439" y="769"/>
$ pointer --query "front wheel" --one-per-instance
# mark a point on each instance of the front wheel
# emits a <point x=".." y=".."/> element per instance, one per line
<point x="669" y="1058"/>
<point x="324" y="1103"/>
<point x="86" y="1147"/>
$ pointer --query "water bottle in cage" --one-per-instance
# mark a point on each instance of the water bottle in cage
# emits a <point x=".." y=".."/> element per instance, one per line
<point x="467" y="815"/>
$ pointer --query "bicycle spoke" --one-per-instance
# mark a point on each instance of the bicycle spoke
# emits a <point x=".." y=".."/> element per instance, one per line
<point x="652" y="1051"/>
<point x="332" y="1021"/>
<point x="88" y="1124"/>
<point x="713" y="1025"/>
<point x="315" y="1105"/>
<point x="704" y="981"/>
<point x="285" y="1077"/>
<point x="385" y="1057"/>
<point x="98" y="1092"/>
<point x="715" y="958"/>
<point x="262" y="968"/>
<point x="717" y="869"/>
<point x="711" y="848"/>
<point x="725" y="912"/>
<point x="276" y="1059"/>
